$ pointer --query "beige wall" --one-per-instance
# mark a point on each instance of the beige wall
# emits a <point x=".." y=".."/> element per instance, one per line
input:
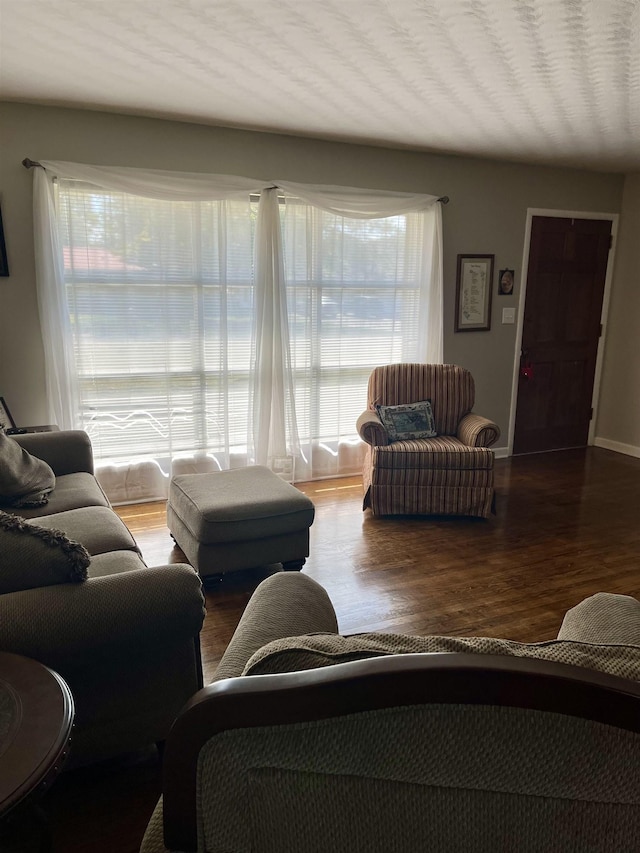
<point x="487" y="214"/>
<point x="618" y="425"/>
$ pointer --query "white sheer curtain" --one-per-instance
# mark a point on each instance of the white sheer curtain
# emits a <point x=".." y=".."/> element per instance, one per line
<point x="357" y="202"/>
<point x="60" y="363"/>
<point x="219" y="351"/>
<point x="275" y="434"/>
<point x="360" y="290"/>
<point x="156" y="183"/>
<point x="424" y="235"/>
<point x="60" y="370"/>
<point x="430" y="343"/>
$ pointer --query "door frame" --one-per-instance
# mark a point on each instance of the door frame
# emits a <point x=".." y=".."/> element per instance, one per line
<point x="562" y="214"/>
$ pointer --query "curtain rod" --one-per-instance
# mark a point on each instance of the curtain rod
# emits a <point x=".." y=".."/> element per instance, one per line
<point x="33" y="164"/>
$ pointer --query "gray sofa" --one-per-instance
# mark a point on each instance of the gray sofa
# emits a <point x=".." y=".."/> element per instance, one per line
<point x="312" y="741"/>
<point x="123" y="635"/>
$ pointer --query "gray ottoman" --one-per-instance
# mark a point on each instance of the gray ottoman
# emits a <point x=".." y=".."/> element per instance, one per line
<point x="238" y="519"/>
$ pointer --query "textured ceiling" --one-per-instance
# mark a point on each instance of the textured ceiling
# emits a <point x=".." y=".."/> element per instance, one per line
<point x="544" y="81"/>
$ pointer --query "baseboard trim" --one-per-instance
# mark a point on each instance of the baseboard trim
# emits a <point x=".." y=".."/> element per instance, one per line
<point x="618" y="447"/>
<point x="500" y="452"/>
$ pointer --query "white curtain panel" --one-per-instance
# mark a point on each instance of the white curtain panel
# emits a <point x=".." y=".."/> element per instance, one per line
<point x="430" y="344"/>
<point x="60" y="369"/>
<point x="274" y="436"/>
<point x="204" y="337"/>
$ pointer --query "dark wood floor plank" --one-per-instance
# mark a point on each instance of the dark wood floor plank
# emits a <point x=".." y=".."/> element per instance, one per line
<point x="566" y="526"/>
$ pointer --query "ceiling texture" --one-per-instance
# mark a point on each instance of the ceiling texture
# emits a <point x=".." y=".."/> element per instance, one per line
<point x="541" y="81"/>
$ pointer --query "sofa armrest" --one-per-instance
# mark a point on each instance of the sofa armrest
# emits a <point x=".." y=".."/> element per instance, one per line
<point x="73" y="624"/>
<point x="476" y="431"/>
<point x="287" y="604"/>
<point x="66" y="451"/>
<point x="371" y="429"/>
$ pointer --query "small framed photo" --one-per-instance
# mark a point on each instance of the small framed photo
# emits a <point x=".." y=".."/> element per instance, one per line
<point x="474" y="283"/>
<point x="506" y="282"/>
<point x="6" y="421"/>
<point x="4" y="266"/>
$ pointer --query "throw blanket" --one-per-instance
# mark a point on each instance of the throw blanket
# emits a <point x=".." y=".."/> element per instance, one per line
<point x="25" y="480"/>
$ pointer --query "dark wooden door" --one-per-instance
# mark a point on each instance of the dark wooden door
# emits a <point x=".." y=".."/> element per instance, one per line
<point x="565" y="286"/>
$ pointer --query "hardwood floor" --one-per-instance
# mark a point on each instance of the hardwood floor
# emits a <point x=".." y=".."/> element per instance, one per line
<point x="566" y="526"/>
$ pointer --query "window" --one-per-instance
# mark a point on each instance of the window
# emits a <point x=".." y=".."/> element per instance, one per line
<point x="354" y="292"/>
<point x="161" y="301"/>
<point x="160" y="296"/>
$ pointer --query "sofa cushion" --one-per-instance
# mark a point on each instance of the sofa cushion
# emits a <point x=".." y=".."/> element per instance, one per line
<point x="293" y="654"/>
<point x="408" y="421"/>
<point x="25" y="480"/>
<point x="33" y="556"/>
<point x="72" y="491"/>
<point x="114" y="563"/>
<point x="98" y="528"/>
<point x="443" y="452"/>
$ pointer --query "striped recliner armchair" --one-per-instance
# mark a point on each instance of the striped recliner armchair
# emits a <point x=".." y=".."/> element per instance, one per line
<point x="449" y="474"/>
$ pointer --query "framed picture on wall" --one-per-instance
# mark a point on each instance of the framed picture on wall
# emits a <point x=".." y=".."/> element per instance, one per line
<point x="474" y="282"/>
<point x="506" y="279"/>
<point x="4" y="266"/>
